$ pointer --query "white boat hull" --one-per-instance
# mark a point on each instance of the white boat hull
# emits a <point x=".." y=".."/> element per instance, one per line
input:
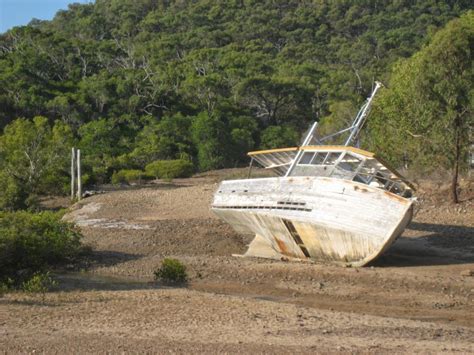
<point x="318" y="218"/>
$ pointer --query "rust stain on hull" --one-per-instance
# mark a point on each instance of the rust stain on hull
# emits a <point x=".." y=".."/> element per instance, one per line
<point x="284" y="249"/>
<point x="361" y="189"/>
<point x="282" y="246"/>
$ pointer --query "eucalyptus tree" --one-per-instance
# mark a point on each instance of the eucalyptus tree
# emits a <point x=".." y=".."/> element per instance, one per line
<point x="428" y="111"/>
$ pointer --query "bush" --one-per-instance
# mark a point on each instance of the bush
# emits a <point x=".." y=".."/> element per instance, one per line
<point x="57" y="184"/>
<point x="40" y="282"/>
<point x="32" y="242"/>
<point x="128" y="176"/>
<point x="170" y="169"/>
<point x="12" y="195"/>
<point x="6" y="286"/>
<point x="171" y="271"/>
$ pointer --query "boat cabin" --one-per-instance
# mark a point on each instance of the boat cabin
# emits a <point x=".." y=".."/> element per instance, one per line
<point x="340" y="162"/>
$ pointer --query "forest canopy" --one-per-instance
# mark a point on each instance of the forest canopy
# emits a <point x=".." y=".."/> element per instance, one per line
<point x="135" y="81"/>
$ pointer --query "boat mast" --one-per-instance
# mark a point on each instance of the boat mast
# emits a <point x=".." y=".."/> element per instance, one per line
<point x="361" y="116"/>
<point x="354" y="129"/>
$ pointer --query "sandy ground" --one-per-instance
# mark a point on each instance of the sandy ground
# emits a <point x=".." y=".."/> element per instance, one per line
<point x="418" y="297"/>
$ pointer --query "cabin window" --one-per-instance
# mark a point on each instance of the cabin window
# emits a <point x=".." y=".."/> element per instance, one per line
<point x="382" y="178"/>
<point x="349" y="163"/>
<point x="319" y="158"/>
<point x="331" y="158"/>
<point x="306" y="158"/>
<point x="360" y="178"/>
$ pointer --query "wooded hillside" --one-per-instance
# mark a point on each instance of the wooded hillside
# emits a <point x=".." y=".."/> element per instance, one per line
<point x="143" y="80"/>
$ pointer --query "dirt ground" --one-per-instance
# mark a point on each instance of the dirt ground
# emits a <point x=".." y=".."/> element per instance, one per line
<point x="418" y="297"/>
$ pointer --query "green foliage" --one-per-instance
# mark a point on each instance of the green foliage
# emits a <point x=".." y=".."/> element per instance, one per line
<point x="426" y="114"/>
<point x="276" y="100"/>
<point x="171" y="271"/>
<point x="341" y="115"/>
<point x="40" y="282"/>
<point x="6" y="286"/>
<point x="128" y="176"/>
<point x="279" y="136"/>
<point x="170" y="169"/>
<point x="167" y="139"/>
<point x="13" y="195"/>
<point x="243" y="134"/>
<point x="147" y="80"/>
<point x="211" y="138"/>
<point x="102" y="144"/>
<point x="33" y="159"/>
<point x="31" y="242"/>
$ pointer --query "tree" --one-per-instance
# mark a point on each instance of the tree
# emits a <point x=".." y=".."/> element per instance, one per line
<point x="274" y="100"/>
<point x="428" y="111"/>
<point x="279" y="63"/>
<point x="211" y="137"/>
<point x="33" y="159"/>
<point x="243" y="132"/>
<point x="279" y="137"/>
<point x="100" y="142"/>
<point x="169" y="138"/>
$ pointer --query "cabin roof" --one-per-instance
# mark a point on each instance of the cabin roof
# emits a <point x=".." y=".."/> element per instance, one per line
<point x="280" y="159"/>
<point x="323" y="148"/>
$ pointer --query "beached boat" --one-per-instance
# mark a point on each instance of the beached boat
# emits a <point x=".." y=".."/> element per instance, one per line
<point x="328" y="203"/>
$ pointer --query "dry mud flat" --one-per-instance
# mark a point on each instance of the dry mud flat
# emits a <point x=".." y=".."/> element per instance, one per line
<point x="418" y="297"/>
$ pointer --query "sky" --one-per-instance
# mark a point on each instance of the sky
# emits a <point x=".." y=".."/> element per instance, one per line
<point x="21" y="12"/>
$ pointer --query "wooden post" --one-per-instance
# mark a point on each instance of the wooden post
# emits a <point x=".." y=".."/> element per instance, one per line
<point x="79" y="184"/>
<point x="73" y="173"/>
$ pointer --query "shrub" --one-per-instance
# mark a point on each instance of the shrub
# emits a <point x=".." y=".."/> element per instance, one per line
<point x="128" y="176"/>
<point x="32" y="242"/>
<point x="58" y="184"/>
<point x="40" y="282"/>
<point x="171" y="271"/>
<point x="170" y="169"/>
<point x="12" y="194"/>
<point x="6" y="286"/>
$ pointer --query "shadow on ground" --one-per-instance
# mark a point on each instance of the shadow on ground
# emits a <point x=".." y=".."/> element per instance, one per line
<point x="104" y="258"/>
<point x="86" y="281"/>
<point x="161" y="185"/>
<point x="442" y="245"/>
